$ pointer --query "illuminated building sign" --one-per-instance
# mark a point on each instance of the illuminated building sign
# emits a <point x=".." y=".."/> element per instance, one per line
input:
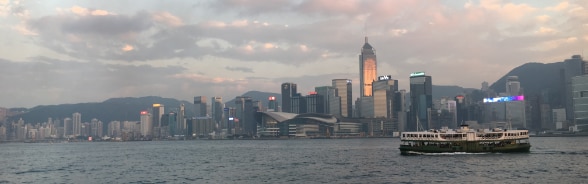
<point x="416" y="74"/>
<point x="504" y="99"/>
<point x="272" y="98"/>
<point x="348" y="81"/>
<point x="143" y="112"/>
<point x="156" y="105"/>
<point x="312" y="93"/>
<point x="386" y="77"/>
<point x="230" y="118"/>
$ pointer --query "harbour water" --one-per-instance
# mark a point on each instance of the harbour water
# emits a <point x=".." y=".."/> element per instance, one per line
<point x="551" y="160"/>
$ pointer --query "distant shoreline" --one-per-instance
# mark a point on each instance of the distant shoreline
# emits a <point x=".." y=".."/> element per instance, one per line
<point x="561" y="135"/>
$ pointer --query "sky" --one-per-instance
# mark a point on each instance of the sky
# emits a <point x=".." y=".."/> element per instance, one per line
<point x="57" y="52"/>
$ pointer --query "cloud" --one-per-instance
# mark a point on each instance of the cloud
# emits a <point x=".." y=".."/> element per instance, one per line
<point x="167" y="19"/>
<point x="559" y="7"/>
<point x="240" y="69"/>
<point x="85" y="11"/>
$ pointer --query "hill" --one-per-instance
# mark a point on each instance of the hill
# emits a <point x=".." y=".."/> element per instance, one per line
<point x="114" y="109"/>
<point x="535" y="78"/>
<point x="257" y="95"/>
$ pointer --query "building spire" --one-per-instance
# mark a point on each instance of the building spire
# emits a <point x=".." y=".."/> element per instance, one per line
<point x="366" y="39"/>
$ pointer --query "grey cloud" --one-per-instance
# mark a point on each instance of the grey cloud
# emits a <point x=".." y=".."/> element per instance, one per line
<point x="107" y="25"/>
<point x="240" y="69"/>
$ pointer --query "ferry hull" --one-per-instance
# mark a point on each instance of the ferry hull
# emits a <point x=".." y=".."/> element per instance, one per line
<point x="467" y="147"/>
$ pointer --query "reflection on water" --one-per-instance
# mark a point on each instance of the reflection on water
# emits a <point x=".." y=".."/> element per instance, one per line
<point x="551" y="160"/>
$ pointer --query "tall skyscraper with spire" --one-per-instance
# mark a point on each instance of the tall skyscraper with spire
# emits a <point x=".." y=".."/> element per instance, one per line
<point x="367" y="69"/>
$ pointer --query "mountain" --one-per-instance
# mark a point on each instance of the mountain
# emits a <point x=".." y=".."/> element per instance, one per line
<point x="535" y="78"/>
<point x="114" y="109"/>
<point x="257" y="95"/>
<point x="449" y="91"/>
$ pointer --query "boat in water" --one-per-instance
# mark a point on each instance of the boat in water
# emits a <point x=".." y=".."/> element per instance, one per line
<point x="464" y="140"/>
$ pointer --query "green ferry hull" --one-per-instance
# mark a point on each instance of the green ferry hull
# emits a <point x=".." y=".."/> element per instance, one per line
<point x="467" y="147"/>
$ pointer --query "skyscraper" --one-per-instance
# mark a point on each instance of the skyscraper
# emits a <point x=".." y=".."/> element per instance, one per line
<point x="272" y="105"/>
<point x="146" y="124"/>
<point x="157" y="113"/>
<point x="245" y="113"/>
<point x="513" y="86"/>
<point x="77" y="123"/>
<point x="200" y="106"/>
<point x="67" y="127"/>
<point x="181" y="120"/>
<point x="216" y="108"/>
<point x="383" y="94"/>
<point x="421" y="101"/>
<point x="572" y="67"/>
<point x="344" y="91"/>
<point x="328" y="95"/>
<point x="288" y="91"/>
<point x="367" y="69"/>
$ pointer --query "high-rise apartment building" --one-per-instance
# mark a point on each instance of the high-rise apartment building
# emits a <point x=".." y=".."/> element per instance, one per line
<point x="288" y="91"/>
<point x="421" y="101"/>
<point x="200" y="106"/>
<point x="96" y="128"/>
<point x="343" y="89"/>
<point x="367" y="69"/>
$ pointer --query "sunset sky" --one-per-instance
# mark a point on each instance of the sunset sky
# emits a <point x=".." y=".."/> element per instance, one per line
<point x="55" y="52"/>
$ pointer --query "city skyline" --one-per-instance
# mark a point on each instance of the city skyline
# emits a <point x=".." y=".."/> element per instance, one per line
<point x="88" y="51"/>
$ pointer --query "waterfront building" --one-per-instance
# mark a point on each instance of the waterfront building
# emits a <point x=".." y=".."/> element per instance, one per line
<point x="575" y="66"/>
<point x="343" y="89"/>
<point x="96" y="128"/>
<point x="289" y="90"/>
<point x="559" y="118"/>
<point x="421" y="101"/>
<point x="146" y="124"/>
<point x="114" y="128"/>
<point x="202" y="126"/>
<point x="580" y="101"/>
<point x="244" y="113"/>
<point x="506" y="109"/>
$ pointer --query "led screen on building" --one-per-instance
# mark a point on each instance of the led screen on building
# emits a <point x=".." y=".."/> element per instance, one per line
<point x="504" y="99"/>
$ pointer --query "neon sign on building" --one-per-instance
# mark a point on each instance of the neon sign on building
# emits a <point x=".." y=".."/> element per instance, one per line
<point x="504" y="99"/>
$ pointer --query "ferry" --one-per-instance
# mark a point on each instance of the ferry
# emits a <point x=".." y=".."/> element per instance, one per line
<point x="464" y="140"/>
